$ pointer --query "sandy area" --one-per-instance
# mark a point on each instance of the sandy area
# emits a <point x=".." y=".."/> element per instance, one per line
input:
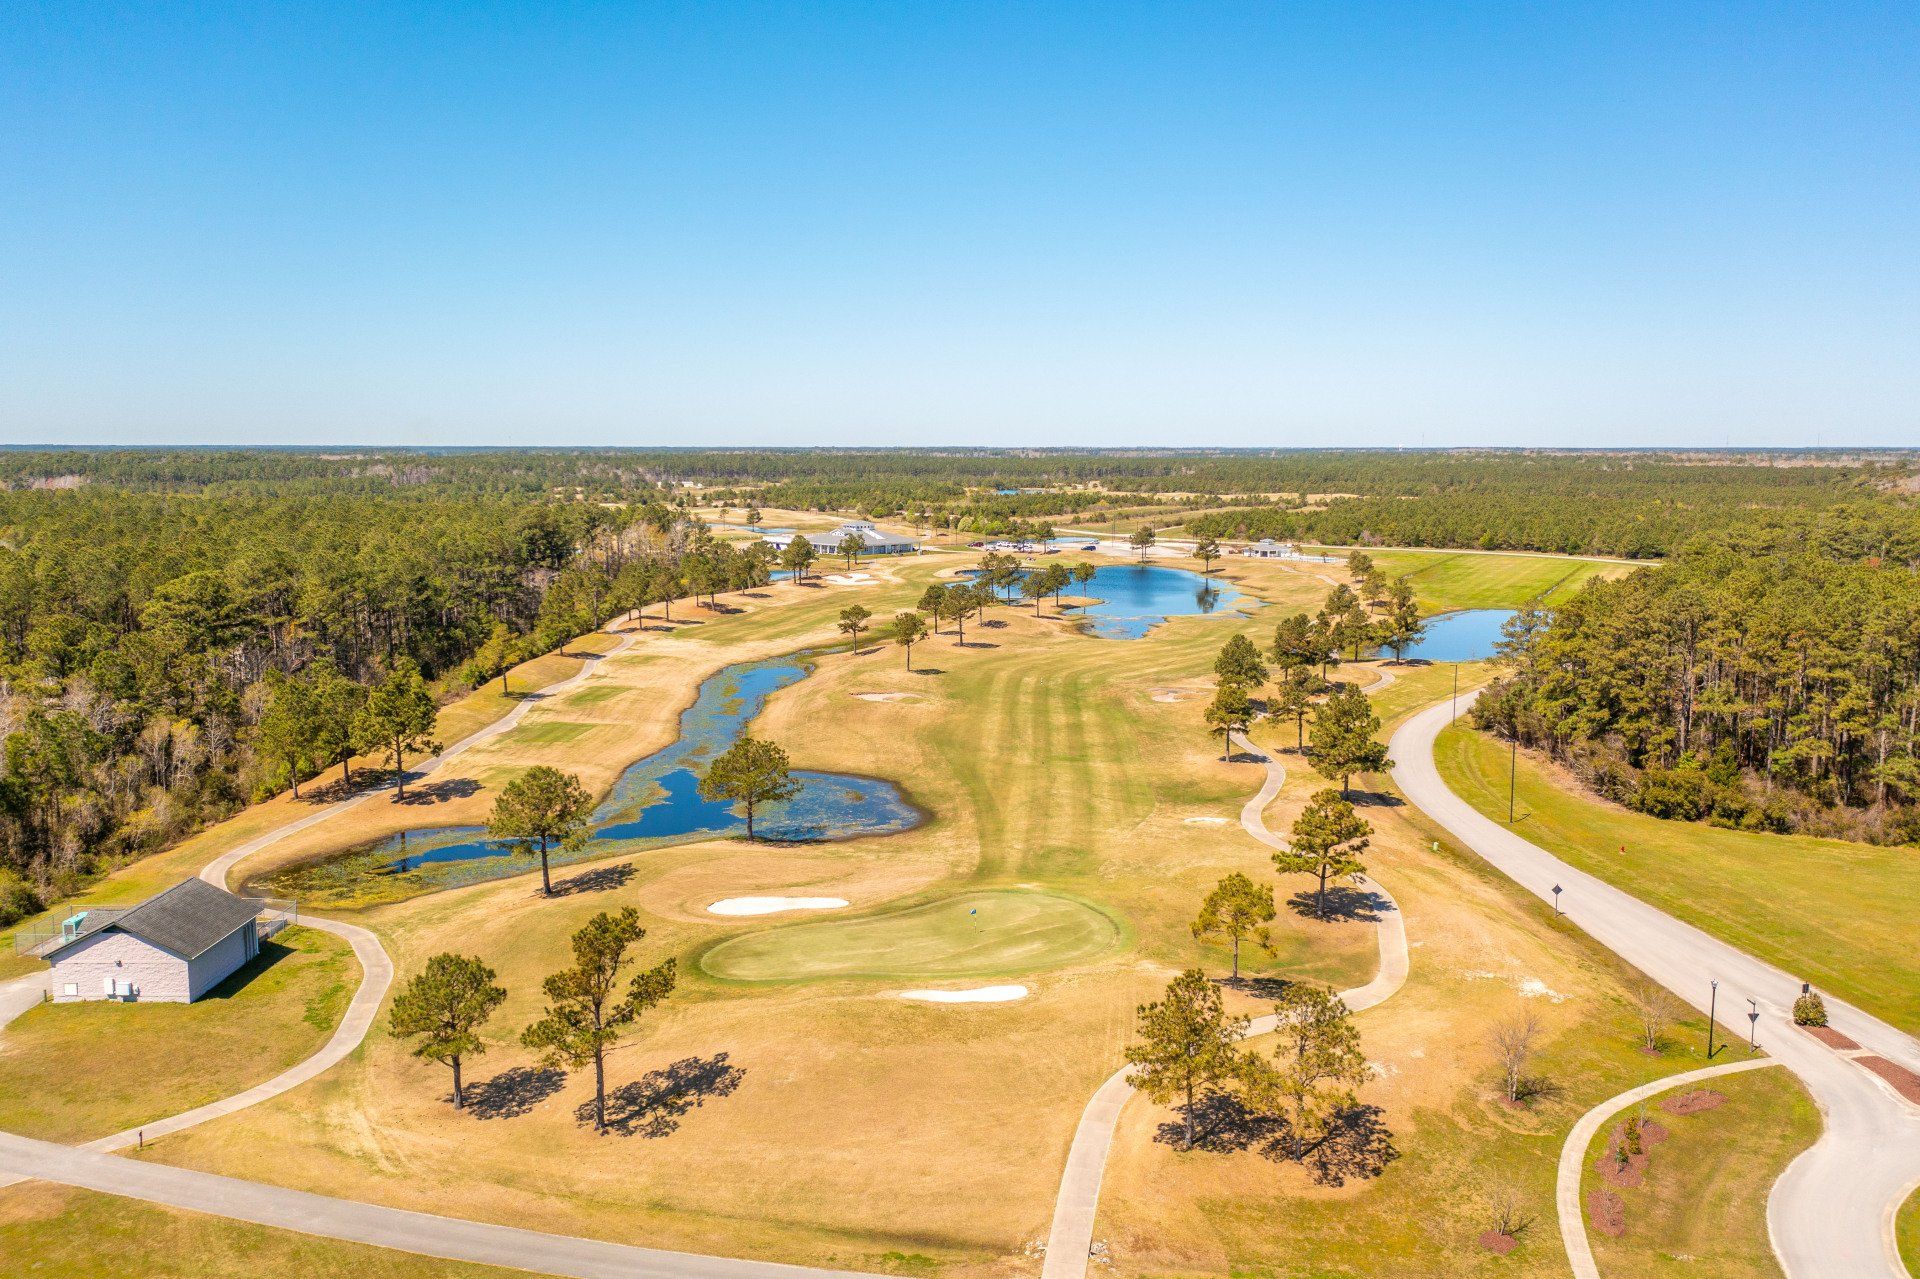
<point x="773" y="905"/>
<point x="978" y="995"/>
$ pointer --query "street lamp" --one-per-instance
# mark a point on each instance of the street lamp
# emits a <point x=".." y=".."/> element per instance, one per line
<point x="1513" y="757"/>
<point x="1713" y="1007"/>
<point x="1456" y="690"/>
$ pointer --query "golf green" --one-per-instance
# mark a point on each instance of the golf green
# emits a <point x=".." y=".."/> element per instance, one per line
<point x="982" y="934"/>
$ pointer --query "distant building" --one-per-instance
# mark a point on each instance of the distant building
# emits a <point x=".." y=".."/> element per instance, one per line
<point x="1268" y="549"/>
<point x="172" y="948"/>
<point x="875" y="541"/>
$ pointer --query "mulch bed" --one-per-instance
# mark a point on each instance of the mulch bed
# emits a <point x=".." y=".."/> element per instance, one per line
<point x="1496" y="1242"/>
<point x="1631" y="1170"/>
<point x="1904" y="1081"/>
<point x="1692" y="1103"/>
<point x="1608" y="1213"/>
<point x="1831" y="1037"/>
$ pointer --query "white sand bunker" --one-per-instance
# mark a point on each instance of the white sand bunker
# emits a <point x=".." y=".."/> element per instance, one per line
<point x="773" y="905"/>
<point x="851" y="579"/>
<point x="1177" y="694"/>
<point x="978" y="995"/>
<point x="1208" y="821"/>
<point x="888" y="697"/>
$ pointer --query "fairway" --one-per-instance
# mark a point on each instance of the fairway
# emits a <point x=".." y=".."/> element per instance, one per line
<point x="1838" y="914"/>
<point x="974" y="935"/>
<point x="1448" y="580"/>
<point x="548" y="732"/>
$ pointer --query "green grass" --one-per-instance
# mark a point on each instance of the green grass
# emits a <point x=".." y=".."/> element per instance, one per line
<point x="73" y="1072"/>
<point x="1444" y="580"/>
<point x="973" y="935"/>
<point x="1906" y="1232"/>
<point x="1836" y="913"/>
<point x="595" y="694"/>
<point x="1701" y="1210"/>
<point x="554" y="730"/>
<point x="55" y="1232"/>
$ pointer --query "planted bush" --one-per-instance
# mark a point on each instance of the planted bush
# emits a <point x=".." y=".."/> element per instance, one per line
<point x="1809" y="1010"/>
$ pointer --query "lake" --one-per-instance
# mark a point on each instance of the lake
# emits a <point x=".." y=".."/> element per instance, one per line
<point x="1131" y="599"/>
<point x="1467" y="636"/>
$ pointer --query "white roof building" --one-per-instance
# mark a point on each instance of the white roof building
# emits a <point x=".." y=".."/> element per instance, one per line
<point x="1267" y="548"/>
<point x="875" y="541"/>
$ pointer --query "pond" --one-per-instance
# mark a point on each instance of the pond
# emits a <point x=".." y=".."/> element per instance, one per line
<point x="656" y="801"/>
<point x="1461" y="637"/>
<point x="1132" y="599"/>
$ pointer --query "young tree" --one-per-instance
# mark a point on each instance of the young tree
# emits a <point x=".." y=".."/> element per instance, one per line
<point x="1185" y="1042"/>
<point x="444" y="1007"/>
<point x="1514" y="1043"/>
<point x="288" y="725"/>
<point x="1082" y="574"/>
<point x="1403" y="626"/>
<point x="853" y="621"/>
<point x="750" y="772"/>
<point x="1343" y="737"/>
<point x="1655" y="1008"/>
<point x="1239" y="663"/>
<point x="954" y="607"/>
<point x="931" y="601"/>
<point x="753" y="517"/>
<point x="1359" y="564"/>
<point x="908" y="630"/>
<point x="1141" y="540"/>
<point x="1296" y="644"/>
<point x="1033" y="587"/>
<point x="542" y="807"/>
<point x="1328" y="838"/>
<point x="1206" y="550"/>
<point x="852" y="547"/>
<point x="1056" y="578"/>
<point x="797" y="557"/>
<point x="1238" y="910"/>
<point x="398" y="718"/>
<point x="587" y="1008"/>
<point x="1230" y="712"/>
<point x="1345" y="620"/>
<point x="493" y="658"/>
<point x="1317" y="1063"/>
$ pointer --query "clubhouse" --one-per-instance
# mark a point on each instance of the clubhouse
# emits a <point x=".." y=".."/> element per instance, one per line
<point x="876" y="542"/>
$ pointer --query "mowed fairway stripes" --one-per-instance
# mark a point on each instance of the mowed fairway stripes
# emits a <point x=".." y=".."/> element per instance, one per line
<point x="982" y="934"/>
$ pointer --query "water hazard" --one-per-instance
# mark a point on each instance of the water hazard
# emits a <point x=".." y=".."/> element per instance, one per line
<point x="1461" y="637"/>
<point x="1132" y="599"/>
<point x="656" y="801"/>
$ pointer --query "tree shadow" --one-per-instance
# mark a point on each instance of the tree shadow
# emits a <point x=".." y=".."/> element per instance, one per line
<point x="1258" y="987"/>
<point x="1344" y="905"/>
<point x="975" y="644"/>
<point x="512" y="1093"/>
<point x="1222" y="1125"/>
<point x="652" y="1105"/>
<point x="598" y="880"/>
<point x="927" y="670"/>
<point x="441" y="791"/>
<point x="1373" y="799"/>
<point x="1357" y="1144"/>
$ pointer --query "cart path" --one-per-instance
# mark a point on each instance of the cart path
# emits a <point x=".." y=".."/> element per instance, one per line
<point x="1070" y="1241"/>
<point x="1827" y="1213"/>
<point x="1573" y="1155"/>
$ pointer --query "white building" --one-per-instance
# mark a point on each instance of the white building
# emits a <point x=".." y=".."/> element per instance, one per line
<point x="172" y="948"/>
<point x="1268" y="549"/>
<point x="875" y="541"/>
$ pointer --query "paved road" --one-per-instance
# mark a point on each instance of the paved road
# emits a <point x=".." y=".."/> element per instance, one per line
<point x="1573" y="1155"/>
<point x="1070" y="1241"/>
<point x="1828" y="1213"/>
<point x="423" y="1233"/>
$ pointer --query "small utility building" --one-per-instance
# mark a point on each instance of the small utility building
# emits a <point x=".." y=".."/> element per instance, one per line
<point x="172" y="948"/>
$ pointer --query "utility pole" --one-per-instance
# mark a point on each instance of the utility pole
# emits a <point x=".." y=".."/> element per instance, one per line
<point x="1513" y="758"/>
<point x="1456" y="690"/>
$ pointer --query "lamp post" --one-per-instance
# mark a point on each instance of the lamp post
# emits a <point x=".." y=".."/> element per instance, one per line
<point x="1713" y="1007"/>
<point x="1753" y="1025"/>
<point x="1513" y="759"/>
<point x="1456" y="690"/>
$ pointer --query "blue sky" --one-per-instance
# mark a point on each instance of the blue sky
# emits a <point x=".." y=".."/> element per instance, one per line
<point x="926" y="223"/>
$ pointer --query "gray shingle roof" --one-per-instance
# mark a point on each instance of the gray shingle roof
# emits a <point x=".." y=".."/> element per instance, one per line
<point x="187" y="919"/>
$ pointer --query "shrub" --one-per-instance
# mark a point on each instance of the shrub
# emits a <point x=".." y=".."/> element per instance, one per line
<point x="17" y="899"/>
<point x="1809" y="1010"/>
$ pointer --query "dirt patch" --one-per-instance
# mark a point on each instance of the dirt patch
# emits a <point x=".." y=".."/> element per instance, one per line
<point x="1607" y="1213"/>
<point x="1177" y="694"/>
<point x="1904" y="1081"/>
<point x="1831" y="1037"/>
<point x="886" y="697"/>
<point x="1498" y="1243"/>
<point x="1692" y="1103"/>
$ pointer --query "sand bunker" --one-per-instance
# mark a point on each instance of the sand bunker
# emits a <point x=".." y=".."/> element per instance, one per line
<point x="1208" y="821"/>
<point x="1177" y="694"/>
<point x="851" y="579"/>
<point x="888" y="697"/>
<point x="978" y="995"/>
<point x="773" y="905"/>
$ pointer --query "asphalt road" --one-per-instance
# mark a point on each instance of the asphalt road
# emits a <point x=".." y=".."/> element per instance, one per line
<point x="1830" y="1213"/>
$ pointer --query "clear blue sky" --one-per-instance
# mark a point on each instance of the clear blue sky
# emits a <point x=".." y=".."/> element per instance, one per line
<point x="1261" y="224"/>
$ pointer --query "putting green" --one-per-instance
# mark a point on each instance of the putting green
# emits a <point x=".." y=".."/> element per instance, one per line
<point x="983" y="934"/>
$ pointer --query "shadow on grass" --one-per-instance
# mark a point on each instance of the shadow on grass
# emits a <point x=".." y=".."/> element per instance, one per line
<point x="653" y="1105"/>
<point x="441" y="791"/>
<point x="1356" y="1143"/>
<point x="271" y="953"/>
<point x="598" y="880"/>
<point x="512" y="1093"/>
<point x="1344" y="905"/>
